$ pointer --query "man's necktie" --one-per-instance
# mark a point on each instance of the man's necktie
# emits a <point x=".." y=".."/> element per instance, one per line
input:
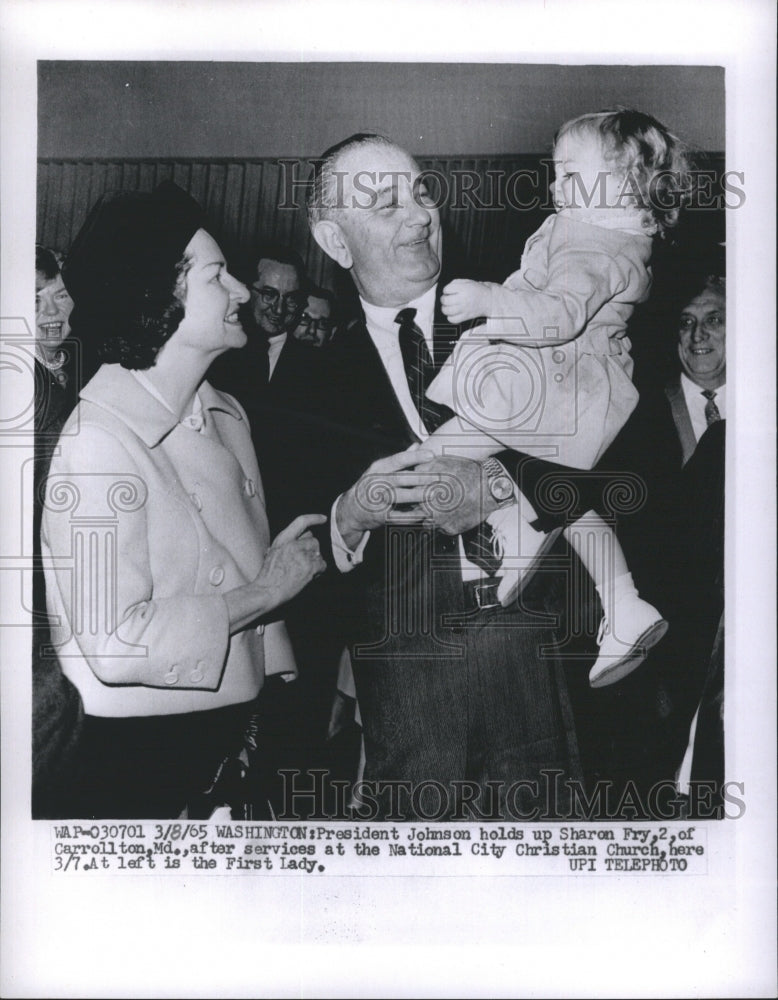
<point x="419" y="370"/>
<point x="712" y="414"/>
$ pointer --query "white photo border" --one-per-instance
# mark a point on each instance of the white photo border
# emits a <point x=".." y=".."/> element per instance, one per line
<point x="230" y="937"/>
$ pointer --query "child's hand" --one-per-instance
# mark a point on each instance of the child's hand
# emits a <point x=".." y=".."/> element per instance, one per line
<point x="462" y="300"/>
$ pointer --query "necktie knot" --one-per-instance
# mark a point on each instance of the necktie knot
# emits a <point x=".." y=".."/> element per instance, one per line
<point x="712" y="413"/>
<point x="405" y="317"/>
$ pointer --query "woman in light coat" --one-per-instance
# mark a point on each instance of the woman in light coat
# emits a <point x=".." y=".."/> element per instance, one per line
<point x="162" y="584"/>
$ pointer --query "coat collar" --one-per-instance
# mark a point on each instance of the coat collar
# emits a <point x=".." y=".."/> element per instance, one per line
<point x="115" y="390"/>
<point x="681" y="418"/>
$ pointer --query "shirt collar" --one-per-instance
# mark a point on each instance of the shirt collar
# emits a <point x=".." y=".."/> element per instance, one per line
<point x="692" y="389"/>
<point x="142" y="409"/>
<point x="194" y="421"/>
<point x="624" y="218"/>
<point x="384" y="317"/>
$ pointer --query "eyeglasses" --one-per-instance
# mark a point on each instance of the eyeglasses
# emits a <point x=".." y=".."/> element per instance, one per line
<point x="323" y="324"/>
<point x="271" y="297"/>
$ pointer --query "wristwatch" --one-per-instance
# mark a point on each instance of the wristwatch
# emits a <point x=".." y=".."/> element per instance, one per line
<point x="501" y="487"/>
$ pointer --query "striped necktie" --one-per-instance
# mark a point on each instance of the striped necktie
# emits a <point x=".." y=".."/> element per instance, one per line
<point x="419" y="370"/>
<point x="712" y="414"/>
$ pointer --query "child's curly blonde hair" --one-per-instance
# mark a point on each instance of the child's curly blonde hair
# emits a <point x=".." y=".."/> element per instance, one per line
<point x="652" y="161"/>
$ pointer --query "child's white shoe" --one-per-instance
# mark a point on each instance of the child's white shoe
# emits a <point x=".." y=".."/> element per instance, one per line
<point x="515" y="540"/>
<point x="639" y="626"/>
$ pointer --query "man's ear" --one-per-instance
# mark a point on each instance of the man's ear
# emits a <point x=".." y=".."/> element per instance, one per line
<point x="330" y="238"/>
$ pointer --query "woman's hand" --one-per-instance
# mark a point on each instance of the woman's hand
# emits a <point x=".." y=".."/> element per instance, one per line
<point x="291" y="562"/>
<point x="293" y="559"/>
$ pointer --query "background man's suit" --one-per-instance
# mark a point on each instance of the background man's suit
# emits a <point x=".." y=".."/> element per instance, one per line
<point x="638" y="729"/>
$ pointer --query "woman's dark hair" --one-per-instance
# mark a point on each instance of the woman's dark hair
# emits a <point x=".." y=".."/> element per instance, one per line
<point x="47" y="262"/>
<point x="125" y="272"/>
<point x="144" y="322"/>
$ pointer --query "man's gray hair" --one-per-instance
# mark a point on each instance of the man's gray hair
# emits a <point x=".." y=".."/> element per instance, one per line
<point x="323" y="187"/>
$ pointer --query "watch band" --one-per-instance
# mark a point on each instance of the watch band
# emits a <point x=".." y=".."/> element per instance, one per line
<point x="501" y="486"/>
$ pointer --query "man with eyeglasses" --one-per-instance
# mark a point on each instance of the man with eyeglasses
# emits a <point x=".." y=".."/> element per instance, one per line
<point x="275" y="279"/>
<point x="668" y="723"/>
<point x="289" y="386"/>
<point x="316" y="325"/>
<point x="276" y="298"/>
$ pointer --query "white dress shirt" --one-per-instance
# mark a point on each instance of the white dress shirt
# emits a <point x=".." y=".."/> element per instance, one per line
<point x="696" y="403"/>
<point x="385" y="333"/>
<point x="274" y="347"/>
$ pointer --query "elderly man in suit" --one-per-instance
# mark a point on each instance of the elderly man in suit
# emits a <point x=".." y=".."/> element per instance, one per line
<point x="698" y="398"/>
<point x="675" y="442"/>
<point x="458" y="696"/>
<point x="698" y="406"/>
<point x="669" y="421"/>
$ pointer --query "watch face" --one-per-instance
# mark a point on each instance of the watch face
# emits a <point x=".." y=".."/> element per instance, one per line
<point x="501" y="487"/>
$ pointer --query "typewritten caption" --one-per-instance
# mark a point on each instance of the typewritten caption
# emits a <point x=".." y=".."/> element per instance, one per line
<point x="278" y="849"/>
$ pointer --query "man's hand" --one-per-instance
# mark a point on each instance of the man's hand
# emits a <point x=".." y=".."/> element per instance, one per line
<point x="458" y="498"/>
<point x="463" y="300"/>
<point x="386" y="483"/>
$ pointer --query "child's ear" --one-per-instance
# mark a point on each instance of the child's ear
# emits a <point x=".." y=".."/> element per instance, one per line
<point x="332" y="240"/>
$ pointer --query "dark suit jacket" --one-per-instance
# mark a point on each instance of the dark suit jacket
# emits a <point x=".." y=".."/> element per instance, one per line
<point x="56" y="706"/>
<point x="674" y="548"/>
<point x="680" y="414"/>
<point x="649" y="446"/>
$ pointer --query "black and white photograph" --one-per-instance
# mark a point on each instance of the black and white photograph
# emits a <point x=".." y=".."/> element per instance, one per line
<point x="389" y="559"/>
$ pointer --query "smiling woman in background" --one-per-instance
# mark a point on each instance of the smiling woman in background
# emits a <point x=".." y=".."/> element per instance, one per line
<point x="57" y="710"/>
<point x="56" y="391"/>
<point x="160" y="571"/>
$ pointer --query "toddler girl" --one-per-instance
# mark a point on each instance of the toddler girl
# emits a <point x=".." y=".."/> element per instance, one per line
<point x="550" y="371"/>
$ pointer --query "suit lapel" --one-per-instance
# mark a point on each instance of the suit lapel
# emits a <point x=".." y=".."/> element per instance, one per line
<point x="682" y="420"/>
<point x="380" y="407"/>
<point x="379" y="404"/>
